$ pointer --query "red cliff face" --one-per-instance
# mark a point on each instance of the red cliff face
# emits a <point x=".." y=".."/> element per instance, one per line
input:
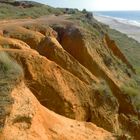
<point x="72" y="72"/>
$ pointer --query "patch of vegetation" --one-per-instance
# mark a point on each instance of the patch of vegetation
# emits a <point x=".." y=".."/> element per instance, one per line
<point x="137" y="68"/>
<point x="10" y="74"/>
<point x="104" y="95"/>
<point x="132" y="89"/>
<point x="104" y="89"/>
<point x="5" y="46"/>
<point x="8" y="11"/>
<point x="131" y="49"/>
<point x="85" y="20"/>
<point x="85" y="23"/>
<point x="20" y="119"/>
<point x="69" y="11"/>
<point x="9" y="67"/>
<point x="129" y="46"/>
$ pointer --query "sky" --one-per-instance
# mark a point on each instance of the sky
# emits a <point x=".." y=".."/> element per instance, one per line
<point x="95" y="5"/>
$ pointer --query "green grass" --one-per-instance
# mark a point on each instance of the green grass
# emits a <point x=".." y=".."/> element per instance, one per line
<point x="85" y="23"/>
<point x="8" y="67"/>
<point x="10" y="74"/>
<point x="129" y="46"/>
<point x="133" y="94"/>
<point x="104" y="89"/>
<point x="137" y="68"/>
<point x="132" y="88"/>
<point x="8" y="11"/>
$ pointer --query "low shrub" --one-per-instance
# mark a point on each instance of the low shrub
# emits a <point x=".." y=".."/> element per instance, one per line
<point x="133" y="91"/>
<point x="8" y="67"/>
<point x="10" y="74"/>
<point x="104" y="89"/>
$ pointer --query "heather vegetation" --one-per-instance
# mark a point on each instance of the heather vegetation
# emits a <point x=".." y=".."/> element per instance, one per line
<point x="12" y="10"/>
<point x="10" y="73"/>
<point x="132" y="89"/>
<point x="28" y="9"/>
<point x="130" y="49"/>
<point x="128" y="46"/>
<point x="8" y="67"/>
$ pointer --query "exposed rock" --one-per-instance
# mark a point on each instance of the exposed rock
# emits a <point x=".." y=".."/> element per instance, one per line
<point x="29" y="120"/>
<point x="43" y="29"/>
<point x="50" y="48"/>
<point x="64" y="93"/>
<point x="92" y="53"/>
<point x="32" y="38"/>
<point x="6" y="42"/>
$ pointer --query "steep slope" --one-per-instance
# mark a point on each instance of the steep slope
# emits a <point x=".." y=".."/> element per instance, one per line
<point x="97" y="58"/>
<point x="29" y="120"/>
<point x="54" y="51"/>
<point x="64" y="93"/>
<point x="32" y="38"/>
<point x="128" y="46"/>
<point x="22" y="116"/>
<point x="116" y="51"/>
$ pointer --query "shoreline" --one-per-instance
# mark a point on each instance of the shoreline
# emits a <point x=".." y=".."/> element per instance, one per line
<point x="131" y="30"/>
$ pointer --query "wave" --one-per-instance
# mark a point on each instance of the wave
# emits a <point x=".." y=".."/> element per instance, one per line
<point x="121" y="20"/>
<point x="126" y="21"/>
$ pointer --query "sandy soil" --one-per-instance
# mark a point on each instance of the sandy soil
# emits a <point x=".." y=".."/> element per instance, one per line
<point x="46" y="19"/>
<point x="131" y="30"/>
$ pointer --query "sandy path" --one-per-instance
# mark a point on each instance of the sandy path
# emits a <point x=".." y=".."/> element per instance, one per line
<point x="52" y="19"/>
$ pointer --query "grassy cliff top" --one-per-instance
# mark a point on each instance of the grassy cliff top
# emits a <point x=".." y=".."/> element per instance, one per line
<point x="25" y="9"/>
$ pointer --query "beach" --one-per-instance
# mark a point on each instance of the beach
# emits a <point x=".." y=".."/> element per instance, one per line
<point x="131" y="29"/>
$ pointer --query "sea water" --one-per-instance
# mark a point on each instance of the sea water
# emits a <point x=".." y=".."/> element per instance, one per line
<point x="128" y="17"/>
